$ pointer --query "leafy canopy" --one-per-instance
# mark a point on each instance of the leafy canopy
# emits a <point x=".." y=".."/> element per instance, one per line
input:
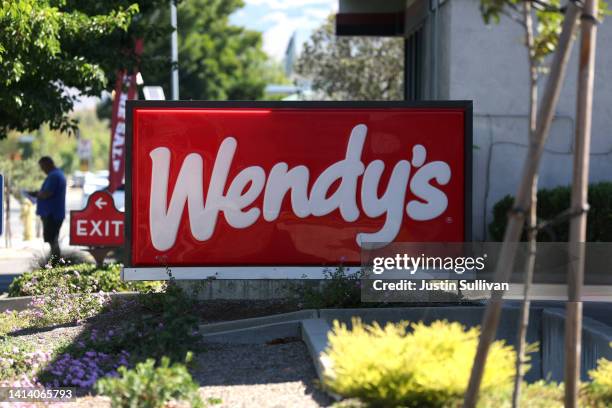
<point x="353" y="68"/>
<point x="548" y="16"/>
<point x="217" y="60"/>
<point x="47" y="47"/>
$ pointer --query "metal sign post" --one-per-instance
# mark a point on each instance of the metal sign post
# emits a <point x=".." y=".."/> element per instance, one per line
<point x="1" y="204"/>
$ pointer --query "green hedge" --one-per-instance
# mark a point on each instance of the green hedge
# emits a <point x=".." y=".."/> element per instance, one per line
<point x="552" y="202"/>
<point x="81" y="278"/>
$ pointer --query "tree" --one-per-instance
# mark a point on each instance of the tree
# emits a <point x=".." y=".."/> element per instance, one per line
<point x="217" y="60"/>
<point x="353" y="68"/>
<point x="551" y="27"/>
<point x="47" y="47"/>
<point x="539" y="45"/>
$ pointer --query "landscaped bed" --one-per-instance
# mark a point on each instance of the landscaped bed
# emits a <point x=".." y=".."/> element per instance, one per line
<point x="75" y="335"/>
<point x="80" y="349"/>
<point x="147" y="350"/>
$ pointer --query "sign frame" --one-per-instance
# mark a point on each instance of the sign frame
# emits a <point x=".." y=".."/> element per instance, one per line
<point x="133" y="273"/>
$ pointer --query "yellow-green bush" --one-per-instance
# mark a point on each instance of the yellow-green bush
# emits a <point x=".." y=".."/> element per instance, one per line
<point x="429" y="366"/>
<point x="599" y="392"/>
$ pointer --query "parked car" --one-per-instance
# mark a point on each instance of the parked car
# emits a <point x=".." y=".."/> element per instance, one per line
<point x="119" y="197"/>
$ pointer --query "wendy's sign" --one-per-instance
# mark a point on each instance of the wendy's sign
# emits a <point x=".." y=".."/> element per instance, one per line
<point x="240" y="184"/>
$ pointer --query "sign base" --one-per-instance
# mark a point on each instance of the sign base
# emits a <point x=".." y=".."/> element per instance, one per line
<point x="225" y="272"/>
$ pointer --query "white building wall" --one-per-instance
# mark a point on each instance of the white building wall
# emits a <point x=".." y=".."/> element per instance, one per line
<point x="488" y="64"/>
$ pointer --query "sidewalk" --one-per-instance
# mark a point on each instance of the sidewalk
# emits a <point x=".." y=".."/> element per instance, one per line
<point x="19" y="260"/>
<point x="22" y="255"/>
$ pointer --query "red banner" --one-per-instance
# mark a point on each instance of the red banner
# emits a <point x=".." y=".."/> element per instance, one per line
<point x="125" y="89"/>
<point x="245" y="184"/>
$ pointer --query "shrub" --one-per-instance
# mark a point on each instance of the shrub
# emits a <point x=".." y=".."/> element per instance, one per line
<point x="82" y="278"/>
<point x="169" y="325"/>
<point x="11" y="320"/>
<point x="148" y="386"/>
<point x="59" y="306"/>
<point x="83" y="371"/>
<point x="428" y="367"/>
<point x="339" y="289"/>
<point x="540" y="394"/>
<point x="552" y="202"/>
<point x="599" y="391"/>
<point x="18" y="357"/>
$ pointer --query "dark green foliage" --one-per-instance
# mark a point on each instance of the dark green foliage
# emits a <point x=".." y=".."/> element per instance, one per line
<point x="340" y="289"/>
<point x="217" y="60"/>
<point x="168" y="325"/>
<point x="47" y="46"/>
<point x="552" y="202"/>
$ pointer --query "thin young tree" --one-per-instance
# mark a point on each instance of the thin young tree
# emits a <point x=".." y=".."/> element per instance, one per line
<point x="579" y="203"/>
<point x="539" y="45"/>
<point x="556" y="35"/>
<point x="522" y="201"/>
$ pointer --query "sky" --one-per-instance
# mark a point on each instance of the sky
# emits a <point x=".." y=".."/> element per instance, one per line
<point x="279" y="19"/>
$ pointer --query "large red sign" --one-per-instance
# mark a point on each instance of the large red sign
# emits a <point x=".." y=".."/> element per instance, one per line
<point x="239" y="184"/>
<point x="99" y="224"/>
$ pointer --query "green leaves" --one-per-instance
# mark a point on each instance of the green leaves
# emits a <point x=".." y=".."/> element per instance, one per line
<point x="217" y="60"/>
<point x="548" y="17"/>
<point x="151" y="386"/>
<point x="353" y="68"/>
<point x="552" y="202"/>
<point x="45" y="49"/>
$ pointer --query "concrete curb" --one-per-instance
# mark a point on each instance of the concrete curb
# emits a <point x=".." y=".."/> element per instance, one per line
<point x="15" y="303"/>
<point x="254" y="322"/>
<point x="20" y="303"/>
<point x="314" y="334"/>
<point x="257" y="334"/>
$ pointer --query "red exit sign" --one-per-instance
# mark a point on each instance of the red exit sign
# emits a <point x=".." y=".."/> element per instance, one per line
<point x="292" y="184"/>
<point x="99" y="224"/>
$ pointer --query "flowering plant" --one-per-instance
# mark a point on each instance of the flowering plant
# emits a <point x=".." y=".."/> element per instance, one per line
<point x="59" y="306"/>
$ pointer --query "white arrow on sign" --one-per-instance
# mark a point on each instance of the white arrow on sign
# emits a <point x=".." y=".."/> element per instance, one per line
<point x="100" y="203"/>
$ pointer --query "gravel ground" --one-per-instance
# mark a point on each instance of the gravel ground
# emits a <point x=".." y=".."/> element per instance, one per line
<point x="48" y="339"/>
<point x="259" y="375"/>
<point x="218" y="310"/>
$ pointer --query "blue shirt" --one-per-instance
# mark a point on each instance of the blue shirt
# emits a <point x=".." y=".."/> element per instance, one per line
<point x="55" y="205"/>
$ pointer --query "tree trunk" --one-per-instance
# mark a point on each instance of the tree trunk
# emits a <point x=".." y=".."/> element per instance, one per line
<point x="516" y="218"/>
<point x="521" y="359"/>
<point x="579" y="204"/>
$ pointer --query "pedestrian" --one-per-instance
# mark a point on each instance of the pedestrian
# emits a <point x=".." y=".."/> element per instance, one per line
<point x="51" y="204"/>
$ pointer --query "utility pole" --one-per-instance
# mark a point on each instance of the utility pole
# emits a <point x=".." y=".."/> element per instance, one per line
<point x="579" y="203"/>
<point x="174" y="51"/>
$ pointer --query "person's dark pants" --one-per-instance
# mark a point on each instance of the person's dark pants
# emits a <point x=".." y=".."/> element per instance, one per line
<point x="51" y="230"/>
